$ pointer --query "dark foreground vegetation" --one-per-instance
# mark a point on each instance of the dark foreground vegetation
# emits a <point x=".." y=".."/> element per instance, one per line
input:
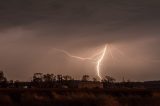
<point x="60" y="90"/>
<point x="78" y="97"/>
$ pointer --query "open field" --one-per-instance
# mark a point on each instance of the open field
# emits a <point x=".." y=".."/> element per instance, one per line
<point x="79" y="97"/>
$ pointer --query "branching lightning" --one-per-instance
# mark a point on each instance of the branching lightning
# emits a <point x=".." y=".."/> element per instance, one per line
<point x="73" y="56"/>
<point x="98" y="57"/>
<point x="98" y="61"/>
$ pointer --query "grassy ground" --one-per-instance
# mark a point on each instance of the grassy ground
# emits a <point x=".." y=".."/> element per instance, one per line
<point x="79" y="97"/>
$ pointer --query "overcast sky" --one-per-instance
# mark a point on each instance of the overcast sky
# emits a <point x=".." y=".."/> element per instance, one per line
<point x="31" y="29"/>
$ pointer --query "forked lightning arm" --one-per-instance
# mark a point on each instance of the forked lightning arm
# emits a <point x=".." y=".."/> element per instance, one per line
<point x="97" y="61"/>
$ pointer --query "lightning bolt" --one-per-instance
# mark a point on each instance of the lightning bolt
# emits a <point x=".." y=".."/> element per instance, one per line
<point x="98" y="61"/>
<point x="73" y="56"/>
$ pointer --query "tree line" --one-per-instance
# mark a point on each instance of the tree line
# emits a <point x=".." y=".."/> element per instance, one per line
<point x="41" y="80"/>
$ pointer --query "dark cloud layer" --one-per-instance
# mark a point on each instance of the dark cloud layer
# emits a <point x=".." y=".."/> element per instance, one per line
<point x="29" y="30"/>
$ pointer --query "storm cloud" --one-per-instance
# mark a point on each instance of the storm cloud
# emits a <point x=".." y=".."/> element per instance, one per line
<point x="30" y="29"/>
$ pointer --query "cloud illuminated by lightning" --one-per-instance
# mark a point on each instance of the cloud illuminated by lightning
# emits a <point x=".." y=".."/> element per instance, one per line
<point x="98" y="61"/>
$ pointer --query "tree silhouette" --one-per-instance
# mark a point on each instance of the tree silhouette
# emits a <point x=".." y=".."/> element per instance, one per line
<point x="109" y="79"/>
<point x="49" y="78"/>
<point x="37" y="77"/>
<point x="3" y="80"/>
<point x="67" y="77"/>
<point x="59" y="78"/>
<point x="85" y="78"/>
<point x="94" y="79"/>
